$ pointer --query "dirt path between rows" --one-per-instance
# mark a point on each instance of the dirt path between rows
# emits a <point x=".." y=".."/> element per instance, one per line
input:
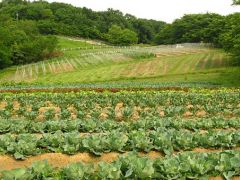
<point x="62" y="160"/>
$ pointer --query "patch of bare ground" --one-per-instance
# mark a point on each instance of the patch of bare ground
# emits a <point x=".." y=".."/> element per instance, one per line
<point x="203" y="131"/>
<point x="16" y="105"/>
<point x="152" y="154"/>
<point x="3" y="104"/>
<point x="118" y="111"/>
<point x="135" y="114"/>
<point x="221" y="178"/>
<point x="61" y="160"/>
<point x="55" y="159"/>
<point x="204" y="150"/>
<point x="188" y="114"/>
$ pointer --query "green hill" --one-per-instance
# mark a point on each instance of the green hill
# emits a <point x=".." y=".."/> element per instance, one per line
<point x="93" y="61"/>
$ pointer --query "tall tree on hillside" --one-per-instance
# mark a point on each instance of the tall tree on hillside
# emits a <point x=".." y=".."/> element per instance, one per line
<point x="230" y="38"/>
<point x="13" y="1"/>
<point x="193" y="28"/>
<point x="21" y="43"/>
<point x="236" y="2"/>
<point x="65" y="19"/>
<point x="118" y="36"/>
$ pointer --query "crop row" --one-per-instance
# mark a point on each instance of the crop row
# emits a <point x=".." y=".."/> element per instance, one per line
<point x="163" y="140"/>
<point x="62" y="107"/>
<point x="187" y="165"/>
<point x="97" y="125"/>
<point x="12" y="86"/>
<point x="123" y="105"/>
<point x="148" y="98"/>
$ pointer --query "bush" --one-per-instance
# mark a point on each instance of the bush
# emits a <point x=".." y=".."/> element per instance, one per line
<point x="21" y="43"/>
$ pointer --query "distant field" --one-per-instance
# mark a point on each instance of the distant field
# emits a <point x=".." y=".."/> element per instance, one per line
<point x="91" y="62"/>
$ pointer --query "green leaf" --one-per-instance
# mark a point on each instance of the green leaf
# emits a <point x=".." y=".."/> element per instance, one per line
<point x="17" y="174"/>
<point x="18" y="155"/>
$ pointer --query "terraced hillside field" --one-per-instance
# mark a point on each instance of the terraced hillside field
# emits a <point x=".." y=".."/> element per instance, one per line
<point x="168" y="134"/>
<point x="88" y="62"/>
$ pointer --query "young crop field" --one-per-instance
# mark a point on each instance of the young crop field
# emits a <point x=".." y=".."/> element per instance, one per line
<point x="94" y="62"/>
<point x="114" y="112"/>
<point x="149" y="134"/>
<point x="90" y="94"/>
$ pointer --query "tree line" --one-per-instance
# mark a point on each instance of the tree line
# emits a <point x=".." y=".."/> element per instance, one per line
<point x="221" y="31"/>
<point x="65" y="19"/>
<point x="27" y="29"/>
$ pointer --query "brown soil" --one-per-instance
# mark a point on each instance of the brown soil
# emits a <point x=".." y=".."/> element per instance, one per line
<point x="203" y="150"/>
<point x="3" y="104"/>
<point x="135" y="114"/>
<point x="152" y="154"/>
<point x="221" y="178"/>
<point x="72" y="109"/>
<point x="187" y="114"/>
<point x="40" y="117"/>
<point x="236" y="178"/>
<point x="55" y="159"/>
<point x="16" y="105"/>
<point x="162" y="114"/>
<point x="201" y="113"/>
<point x="73" y="116"/>
<point x="160" y="111"/>
<point x="103" y="115"/>
<point x="29" y="108"/>
<point x="118" y="111"/>
<point x="61" y="160"/>
<point x="216" y="178"/>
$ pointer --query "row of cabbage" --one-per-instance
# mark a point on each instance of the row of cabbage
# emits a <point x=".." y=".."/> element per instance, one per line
<point x="98" y="126"/>
<point x="126" y="113"/>
<point x="142" y="98"/>
<point x="92" y="104"/>
<point x="107" y="85"/>
<point x="162" y="140"/>
<point x="187" y="165"/>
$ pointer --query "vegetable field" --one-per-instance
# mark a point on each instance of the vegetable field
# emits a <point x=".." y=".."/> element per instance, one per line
<point x="164" y="134"/>
<point x="83" y="62"/>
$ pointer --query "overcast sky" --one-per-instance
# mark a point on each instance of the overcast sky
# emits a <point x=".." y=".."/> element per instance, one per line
<point x="166" y="10"/>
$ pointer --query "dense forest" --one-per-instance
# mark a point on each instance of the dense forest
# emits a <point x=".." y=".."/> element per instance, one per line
<point x="27" y="29"/>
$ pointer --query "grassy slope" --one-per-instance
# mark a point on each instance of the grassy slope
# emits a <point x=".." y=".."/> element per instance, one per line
<point x="65" y="42"/>
<point x="151" y="70"/>
<point x="211" y="66"/>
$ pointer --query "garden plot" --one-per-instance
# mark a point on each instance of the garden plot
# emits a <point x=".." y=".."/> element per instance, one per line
<point x="160" y="131"/>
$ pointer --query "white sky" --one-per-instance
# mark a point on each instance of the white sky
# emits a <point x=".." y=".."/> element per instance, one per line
<point x="166" y="10"/>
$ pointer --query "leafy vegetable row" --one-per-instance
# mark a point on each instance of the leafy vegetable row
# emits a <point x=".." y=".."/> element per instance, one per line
<point x="106" y="85"/>
<point x="164" y="140"/>
<point x="97" y="125"/>
<point x="93" y="104"/>
<point x="187" y="165"/>
<point x="149" y="98"/>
